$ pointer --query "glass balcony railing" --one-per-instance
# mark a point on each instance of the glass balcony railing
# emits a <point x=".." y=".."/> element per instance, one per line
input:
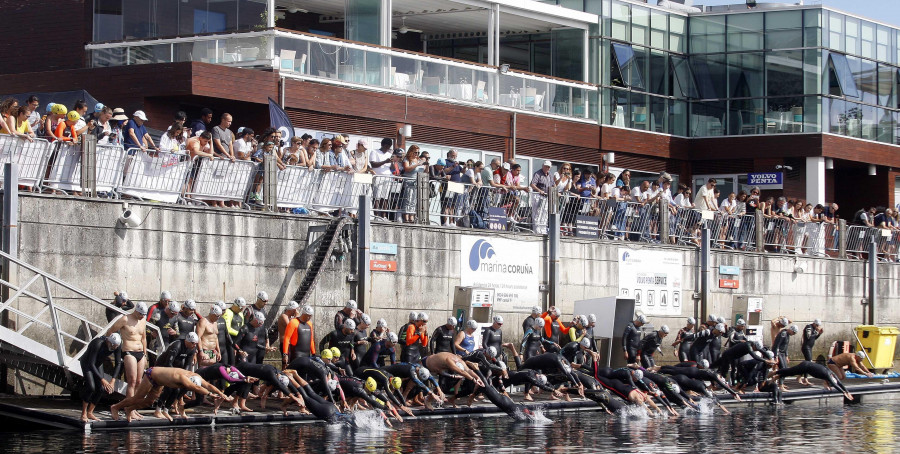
<point x="305" y="56"/>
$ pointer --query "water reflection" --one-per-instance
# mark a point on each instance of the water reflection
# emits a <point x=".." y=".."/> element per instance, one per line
<point x="794" y="428"/>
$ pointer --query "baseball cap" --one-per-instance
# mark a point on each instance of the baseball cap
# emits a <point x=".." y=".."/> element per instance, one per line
<point x="361" y="142"/>
<point x="547" y="163"/>
<point x="506" y="165"/>
<point x="98" y="107"/>
<point x="440" y="162"/>
<point x="140" y="114"/>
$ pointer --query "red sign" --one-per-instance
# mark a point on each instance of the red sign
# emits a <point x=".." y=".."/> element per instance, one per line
<point x="383" y="265"/>
<point x="728" y="283"/>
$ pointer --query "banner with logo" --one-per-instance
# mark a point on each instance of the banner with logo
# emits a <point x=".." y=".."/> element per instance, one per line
<point x="510" y="267"/>
<point x="653" y="279"/>
<point x="766" y="180"/>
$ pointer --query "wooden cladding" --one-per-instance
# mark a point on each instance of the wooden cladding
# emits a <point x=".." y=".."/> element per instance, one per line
<point x="557" y="152"/>
<point x="320" y="121"/>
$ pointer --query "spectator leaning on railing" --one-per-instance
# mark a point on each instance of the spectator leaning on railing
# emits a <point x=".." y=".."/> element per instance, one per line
<point x="117" y="127"/>
<point x="204" y="123"/>
<point x="136" y="135"/>
<point x="22" y="127"/>
<point x="8" y="109"/>
<point x="223" y="139"/>
<point x="171" y="140"/>
<point x="34" y="115"/>
<point x="103" y="128"/>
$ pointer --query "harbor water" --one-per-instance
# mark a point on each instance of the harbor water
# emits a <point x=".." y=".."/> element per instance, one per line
<point x="873" y="426"/>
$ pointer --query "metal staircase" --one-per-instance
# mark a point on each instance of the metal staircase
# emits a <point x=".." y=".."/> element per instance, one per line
<point x="329" y="240"/>
<point x="47" y="332"/>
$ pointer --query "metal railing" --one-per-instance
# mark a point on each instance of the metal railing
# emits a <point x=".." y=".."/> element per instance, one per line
<point x="306" y="56"/>
<point x="48" y="316"/>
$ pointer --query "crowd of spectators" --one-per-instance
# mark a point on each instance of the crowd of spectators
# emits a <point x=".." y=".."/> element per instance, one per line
<point x="583" y="190"/>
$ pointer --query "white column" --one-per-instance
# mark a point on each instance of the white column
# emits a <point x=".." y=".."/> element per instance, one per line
<point x="270" y="14"/>
<point x="586" y="58"/>
<point x="815" y="180"/>
<point x="496" y="37"/>
<point x="490" y="37"/>
<point x="387" y="22"/>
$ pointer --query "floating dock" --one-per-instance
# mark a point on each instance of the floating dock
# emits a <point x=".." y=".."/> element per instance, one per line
<point x="64" y="412"/>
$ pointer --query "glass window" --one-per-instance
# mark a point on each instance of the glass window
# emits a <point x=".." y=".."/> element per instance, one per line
<point x="658" y="113"/>
<point x="745" y="116"/>
<point x="708" y="34"/>
<point x="107" y="20"/>
<point x="745" y="32"/>
<point x="707" y="118"/>
<point x="886" y="83"/>
<point x="842" y="74"/>
<point x="619" y="108"/>
<point x="812" y="28"/>
<point x="784" y="73"/>
<point x="684" y="84"/>
<point x="745" y="75"/>
<point x="851" y="35"/>
<point x="136" y="23"/>
<point x="865" y="73"/>
<point x="835" y="31"/>
<point x="883" y="44"/>
<point x="677" y="30"/>
<point x="640" y="118"/>
<point x="658" y="29"/>
<point x="251" y="15"/>
<point x="867" y="39"/>
<point x="812" y="76"/>
<point x="886" y="125"/>
<point x="678" y="117"/>
<point x="784" y="115"/>
<point x="627" y="67"/>
<point x="710" y="72"/>
<point x="784" y="29"/>
<point x="658" y="75"/>
<point x="869" y="122"/>
<point x="640" y="25"/>
<point x="621" y="18"/>
<point x="812" y="113"/>
<point x="837" y="116"/>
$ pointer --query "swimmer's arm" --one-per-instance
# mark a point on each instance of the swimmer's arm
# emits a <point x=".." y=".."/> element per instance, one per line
<point x="120" y="322"/>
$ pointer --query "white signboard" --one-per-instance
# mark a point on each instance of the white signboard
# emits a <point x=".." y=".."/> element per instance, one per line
<point x="653" y="279"/>
<point x="509" y="267"/>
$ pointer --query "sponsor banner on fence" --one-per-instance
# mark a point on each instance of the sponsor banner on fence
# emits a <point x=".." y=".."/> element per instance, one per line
<point x="510" y="267"/>
<point x="653" y="279"/>
<point x="497" y="218"/>
<point x="587" y="226"/>
<point x="159" y="176"/>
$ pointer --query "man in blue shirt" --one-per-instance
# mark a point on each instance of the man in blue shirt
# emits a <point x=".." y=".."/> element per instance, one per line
<point x="136" y="135"/>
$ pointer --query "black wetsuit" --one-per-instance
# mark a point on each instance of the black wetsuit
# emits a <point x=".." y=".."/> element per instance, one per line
<point x="186" y="324"/>
<point x="715" y="346"/>
<point x="491" y="337"/>
<point x="410" y="371"/>
<point x="572" y="353"/>
<point x="528" y="324"/>
<point x="339" y="320"/>
<point x="700" y="347"/>
<point x="176" y="355"/>
<point x="253" y="342"/>
<point x="687" y="339"/>
<point x="780" y="347"/>
<point x="698" y="374"/>
<point x="751" y="373"/>
<point x="313" y="370"/>
<point x="697" y="386"/>
<point x="649" y="344"/>
<point x="318" y="406"/>
<point x="618" y="385"/>
<point x="226" y="343"/>
<point x="442" y="339"/>
<point x="503" y="402"/>
<point x="631" y="342"/>
<point x="731" y="356"/>
<point x="528" y="378"/>
<point x="91" y="364"/>
<point x="375" y="355"/>
<point x="358" y="347"/>
<point x="810" y="335"/>
<point x="734" y="337"/>
<point x="815" y="370"/>
<point x="532" y="343"/>
<point x="355" y="388"/>
<point x="550" y="363"/>
<point x="671" y="389"/>
<point x="264" y="372"/>
<point x="489" y="367"/>
<point x="383" y="379"/>
<point x="125" y="305"/>
<point x="164" y="322"/>
<point x="344" y="342"/>
<point x="555" y="331"/>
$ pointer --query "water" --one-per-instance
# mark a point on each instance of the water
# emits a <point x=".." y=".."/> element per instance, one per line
<point x="869" y="427"/>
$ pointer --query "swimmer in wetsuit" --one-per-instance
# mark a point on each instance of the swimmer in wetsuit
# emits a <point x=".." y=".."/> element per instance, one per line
<point x="415" y="342"/>
<point x="631" y="339"/>
<point x="808" y="340"/>
<point x="181" y="354"/>
<point x="732" y="355"/>
<point x="299" y="338"/>
<point x="152" y="384"/>
<point x="417" y="378"/>
<point x="816" y="371"/>
<point x="699" y="387"/>
<point x="528" y="323"/>
<point x="552" y="363"/>
<point x="366" y="394"/>
<point x="534" y="343"/>
<point x="492" y="336"/>
<point x="442" y="337"/>
<point x="671" y="389"/>
<point x="650" y="344"/>
<point x="700" y="373"/>
<point x="503" y="402"/>
<point x="684" y="339"/>
<point x="95" y="383"/>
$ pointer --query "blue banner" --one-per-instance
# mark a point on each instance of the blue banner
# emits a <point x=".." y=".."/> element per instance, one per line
<point x="279" y="120"/>
<point x="766" y="180"/>
<point x="383" y="248"/>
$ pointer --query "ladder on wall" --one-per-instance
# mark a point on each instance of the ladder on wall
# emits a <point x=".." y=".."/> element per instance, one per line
<point x="326" y="246"/>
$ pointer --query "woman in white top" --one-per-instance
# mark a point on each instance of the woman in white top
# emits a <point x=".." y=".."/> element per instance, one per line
<point x="729" y="205"/>
<point x="608" y="186"/>
<point x="171" y="140"/>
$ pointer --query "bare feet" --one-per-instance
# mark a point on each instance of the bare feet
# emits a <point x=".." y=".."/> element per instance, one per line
<point x="84" y="418"/>
<point x="91" y="416"/>
<point x="114" y="412"/>
<point x="529" y="398"/>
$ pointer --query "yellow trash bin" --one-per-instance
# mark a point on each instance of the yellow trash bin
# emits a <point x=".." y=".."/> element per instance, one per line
<point x="879" y="343"/>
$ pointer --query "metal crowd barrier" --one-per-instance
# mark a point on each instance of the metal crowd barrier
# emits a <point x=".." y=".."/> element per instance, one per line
<point x="221" y="180"/>
<point x="394" y="197"/>
<point x="317" y="190"/>
<point x="65" y="168"/>
<point x="887" y="243"/>
<point x="156" y="176"/>
<point x="31" y="156"/>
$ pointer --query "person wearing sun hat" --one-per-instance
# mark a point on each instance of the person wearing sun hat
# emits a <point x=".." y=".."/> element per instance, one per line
<point x="136" y="135"/>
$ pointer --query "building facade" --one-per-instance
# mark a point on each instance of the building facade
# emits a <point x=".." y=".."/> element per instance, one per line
<point x="804" y="90"/>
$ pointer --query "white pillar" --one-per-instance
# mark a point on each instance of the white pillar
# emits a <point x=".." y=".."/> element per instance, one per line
<point x="270" y="14"/>
<point x="490" y="37"/>
<point x="495" y="8"/>
<point x="815" y="180"/>
<point x="387" y="22"/>
<point x="586" y="58"/>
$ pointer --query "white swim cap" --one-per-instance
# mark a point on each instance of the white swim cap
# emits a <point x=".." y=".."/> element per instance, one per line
<point x="585" y="342"/>
<point x="691" y="321"/>
<point x="664" y="329"/>
<point x="583" y="320"/>
<point x="413" y="316"/>
<point x="712" y="318"/>
<point x="284" y="379"/>
<point x="141" y="308"/>
<point x="114" y="339"/>
<point x="351" y="304"/>
<point x="215" y="310"/>
<point x="195" y="379"/>
<point x="861" y="354"/>
<point x="592" y="318"/>
<point x="541" y="378"/>
<point x="741" y="322"/>
<point x="720" y="320"/>
<point x="422" y="317"/>
<point x="222" y="305"/>
<point x="817" y="322"/>
<point x="539" y="322"/>
<point x="123" y="296"/>
<point x="192" y="337"/>
<point x="190" y="304"/>
<point x="259" y="316"/>
<point x="392" y="337"/>
<point x="637" y="374"/>
<point x="240" y="302"/>
<point x="451" y="321"/>
<point x="703" y="364"/>
<point x="536" y="310"/>
<point x="174" y="306"/>
<point x="794" y="329"/>
<point x="307" y="310"/>
<point x="641" y="318"/>
<point x="165" y="295"/>
<point x="498" y="319"/>
<point x="472" y="324"/>
<point x="366" y="319"/>
<point x="424" y="374"/>
<point x="491" y="351"/>
<point x="293" y="305"/>
<point x="382" y="323"/>
<point x="720" y="327"/>
<point x="262" y="296"/>
<point x="332" y="384"/>
<point x="349" y="324"/>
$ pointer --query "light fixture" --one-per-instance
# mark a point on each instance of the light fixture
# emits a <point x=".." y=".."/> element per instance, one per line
<point x="129" y="218"/>
<point x="406" y="131"/>
<point x="504" y="68"/>
<point x="781" y="167"/>
<point x="829" y="164"/>
<point x="610" y="158"/>
<point x="873" y="170"/>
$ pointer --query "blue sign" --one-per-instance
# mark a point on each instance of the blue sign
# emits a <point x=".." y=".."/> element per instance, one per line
<point x="766" y="180"/>
<point x="729" y="270"/>
<point x="383" y="248"/>
<point x="497" y="218"/>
